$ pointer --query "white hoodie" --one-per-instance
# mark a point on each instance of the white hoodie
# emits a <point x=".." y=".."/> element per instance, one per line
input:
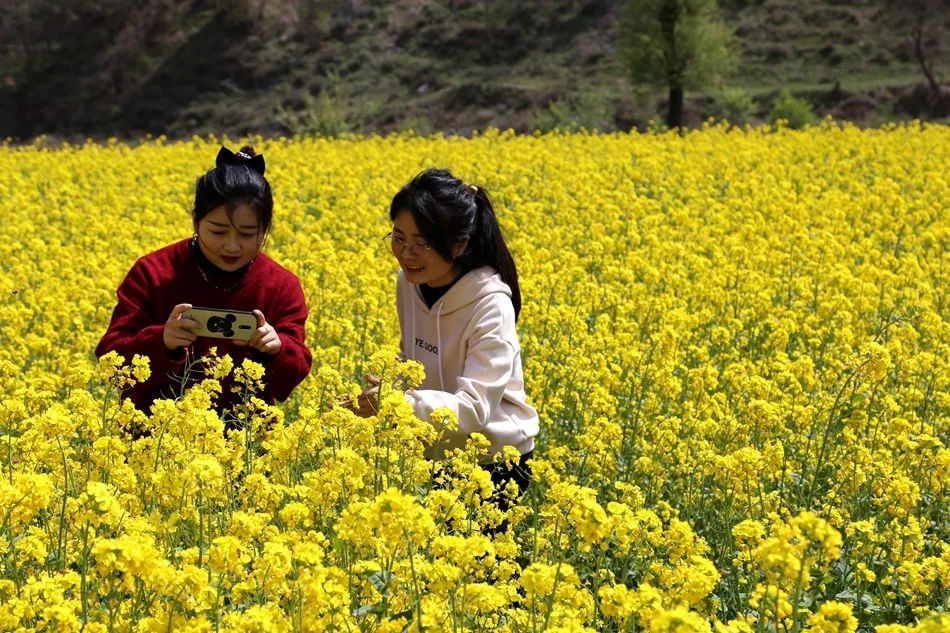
<point x="469" y="347"/>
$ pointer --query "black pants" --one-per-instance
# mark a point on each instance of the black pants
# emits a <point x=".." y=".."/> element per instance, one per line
<point x="520" y="473"/>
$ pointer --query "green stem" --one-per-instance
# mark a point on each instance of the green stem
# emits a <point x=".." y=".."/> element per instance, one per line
<point x="84" y="584"/>
<point x="200" y="527"/>
<point x="417" y="597"/>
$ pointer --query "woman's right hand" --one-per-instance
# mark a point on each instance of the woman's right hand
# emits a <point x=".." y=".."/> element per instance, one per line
<point x="178" y="330"/>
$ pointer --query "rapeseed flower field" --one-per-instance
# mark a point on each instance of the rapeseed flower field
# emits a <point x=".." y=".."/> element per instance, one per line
<point x="738" y="342"/>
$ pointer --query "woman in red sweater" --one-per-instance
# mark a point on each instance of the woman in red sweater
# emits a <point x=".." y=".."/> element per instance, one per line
<point x="221" y="266"/>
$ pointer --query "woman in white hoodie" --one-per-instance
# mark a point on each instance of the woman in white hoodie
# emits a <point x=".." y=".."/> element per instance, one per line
<point x="458" y="299"/>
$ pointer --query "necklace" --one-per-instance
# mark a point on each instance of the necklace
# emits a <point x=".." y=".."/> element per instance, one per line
<point x="193" y="246"/>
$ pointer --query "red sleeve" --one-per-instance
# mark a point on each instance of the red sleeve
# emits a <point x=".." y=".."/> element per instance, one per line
<point x="292" y="363"/>
<point x="136" y="328"/>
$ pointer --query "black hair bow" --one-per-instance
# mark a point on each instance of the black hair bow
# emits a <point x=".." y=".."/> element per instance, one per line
<point x="227" y="157"/>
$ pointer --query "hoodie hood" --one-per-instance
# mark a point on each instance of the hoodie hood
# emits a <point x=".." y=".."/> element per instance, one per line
<point x="469" y="289"/>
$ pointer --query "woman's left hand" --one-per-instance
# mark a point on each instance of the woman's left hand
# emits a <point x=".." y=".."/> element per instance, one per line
<point x="366" y="403"/>
<point x="264" y="339"/>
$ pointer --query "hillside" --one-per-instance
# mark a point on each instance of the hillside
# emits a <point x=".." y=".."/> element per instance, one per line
<point x="282" y="66"/>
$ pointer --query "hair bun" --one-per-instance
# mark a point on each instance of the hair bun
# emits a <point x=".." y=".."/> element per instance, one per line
<point x="246" y="156"/>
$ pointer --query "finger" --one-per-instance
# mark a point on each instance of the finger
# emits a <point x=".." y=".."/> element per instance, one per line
<point x="371" y="379"/>
<point x="182" y="326"/>
<point x="368" y="398"/>
<point x="186" y="324"/>
<point x="257" y="338"/>
<point x="179" y="310"/>
<point x="187" y="337"/>
<point x="240" y="343"/>
<point x="264" y="330"/>
<point x="261" y="321"/>
<point x="181" y="341"/>
<point x="344" y="400"/>
<point x="267" y="339"/>
<point x="270" y="345"/>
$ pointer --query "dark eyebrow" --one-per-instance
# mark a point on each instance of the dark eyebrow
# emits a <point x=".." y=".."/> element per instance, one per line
<point x="243" y="226"/>
<point x="416" y="234"/>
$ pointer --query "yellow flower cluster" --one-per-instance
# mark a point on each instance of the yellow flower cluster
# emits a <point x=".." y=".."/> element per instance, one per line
<point x="738" y="342"/>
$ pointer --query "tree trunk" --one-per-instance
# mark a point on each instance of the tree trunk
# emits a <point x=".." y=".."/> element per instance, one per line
<point x="924" y="60"/>
<point x="674" y="116"/>
<point x="669" y="17"/>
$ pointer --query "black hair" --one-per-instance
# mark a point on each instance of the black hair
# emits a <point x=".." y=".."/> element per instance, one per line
<point x="447" y="211"/>
<point x="236" y="179"/>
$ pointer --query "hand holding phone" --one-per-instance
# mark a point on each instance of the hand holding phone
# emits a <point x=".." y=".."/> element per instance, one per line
<point x="179" y="330"/>
<point x="265" y="338"/>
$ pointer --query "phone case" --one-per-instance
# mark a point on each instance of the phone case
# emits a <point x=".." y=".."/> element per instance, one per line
<point x="219" y="323"/>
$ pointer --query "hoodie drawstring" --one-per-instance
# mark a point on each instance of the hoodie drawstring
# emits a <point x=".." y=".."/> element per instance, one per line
<point x="438" y="342"/>
<point x="412" y="343"/>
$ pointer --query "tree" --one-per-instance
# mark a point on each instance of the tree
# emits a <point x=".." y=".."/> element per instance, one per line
<point x="923" y="21"/>
<point x="675" y="44"/>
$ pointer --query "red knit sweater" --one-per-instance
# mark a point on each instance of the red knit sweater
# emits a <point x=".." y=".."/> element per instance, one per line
<point x="161" y="280"/>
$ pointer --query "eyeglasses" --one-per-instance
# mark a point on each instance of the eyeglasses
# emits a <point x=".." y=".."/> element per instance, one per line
<point x="399" y="245"/>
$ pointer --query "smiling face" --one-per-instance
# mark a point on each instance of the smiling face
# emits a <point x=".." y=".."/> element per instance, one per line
<point x="419" y="264"/>
<point x="230" y="243"/>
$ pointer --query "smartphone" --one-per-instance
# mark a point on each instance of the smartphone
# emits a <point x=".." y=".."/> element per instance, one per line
<point x="237" y="325"/>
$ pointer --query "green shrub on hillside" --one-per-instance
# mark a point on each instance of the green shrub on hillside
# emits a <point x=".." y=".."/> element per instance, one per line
<point x="796" y="112"/>
<point x="734" y="105"/>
